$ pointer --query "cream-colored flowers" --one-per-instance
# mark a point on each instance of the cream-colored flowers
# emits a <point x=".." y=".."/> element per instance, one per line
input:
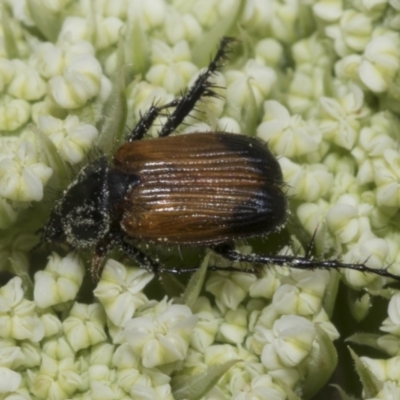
<point x="18" y="319"/>
<point x="392" y="323"/>
<point x="85" y="326"/>
<point x="22" y="174"/>
<point x="288" y="343"/>
<point x="56" y="379"/>
<point x="171" y="66"/>
<point x="287" y="135"/>
<point x="71" y="137"/>
<point x="230" y="288"/>
<point x="352" y="33"/>
<point x="381" y="62"/>
<point x="75" y="75"/>
<point x="59" y="281"/>
<point x="163" y="337"/>
<point x="120" y="291"/>
<point x="9" y="380"/>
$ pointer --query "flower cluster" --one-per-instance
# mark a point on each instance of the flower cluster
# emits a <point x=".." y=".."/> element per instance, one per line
<point x="318" y="82"/>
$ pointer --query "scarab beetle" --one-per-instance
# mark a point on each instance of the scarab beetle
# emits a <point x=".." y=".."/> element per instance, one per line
<point x="198" y="189"/>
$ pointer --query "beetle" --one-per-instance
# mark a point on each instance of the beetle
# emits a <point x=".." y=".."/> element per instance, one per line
<point x="200" y="189"/>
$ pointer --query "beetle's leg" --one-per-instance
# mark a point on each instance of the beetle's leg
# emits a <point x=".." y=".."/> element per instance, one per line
<point x="147" y="120"/>
<point x="100" y="253"/>
<point x="201" y="87"/>
<point x="185" y="104"/>
<point x="299" y="262"/>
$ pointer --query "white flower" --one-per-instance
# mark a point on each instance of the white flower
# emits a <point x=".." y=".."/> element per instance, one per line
<point x="234" y="326"/>
<point x="11" y="355"/>
<point x="230" y="288"/>
<point x="369" y="250"/>
<point x="9" y="380"/>
<point x="75" y="74"/>
<point x="22" y="177"/>
<point x="267" y="283"/>
<point x="351" y="34"/>
<point x="18" y="319"/>
<point x="157" y="393"/>
<point x="26" y="83"/>
<point x="387" y="178"/>
<point x="207" y="325"/>
<point x="340" y="117"/>
<point x="312" y="218"/>
<point x="347" y="68"/>
<point x="384" y="370"/>
<point x="171" y="67"/>
<point x="80" y="82"/>
<point x="85" y="326"/>
<point x="286" y="135"/>
<point x="389" y="391"/>
<point x="206" y="12"/>
<point x="291" y="341"/>
<point x="322" y="320"/>
<point x="378" y="136"/>
<point x="14" y="113"/>
<point x="120" y="291"/>
<point x="262" y="388"/>
<point x="348" y="220"/>
<point x="132" y="378"/>
<point x="75" y="29"/>
<point x="50" y="60"/>
<point x="150" y="13"/>
<point x="179" y="27"/>
<point x="269" y="52"/>
<point x="304" y="297"/>
<point x="58" y="347"/>
<point x="389" y="344"/>
<point x="310" y="54"/>
<point x="307" y="182"/>
<point x="56" y="379"/>
<point x="161" y="338"/>
<point x="373" y="142"/>
<point x="305" y="90"/>
<point x="381" y="62"/>
<point x="256" y="14"/>
<point x="59" y="281"/>
<point x="328" y="10"/>
<point x="71" y="137"/>
<point x="255" y="82"/>
<point x="392" y="323"/>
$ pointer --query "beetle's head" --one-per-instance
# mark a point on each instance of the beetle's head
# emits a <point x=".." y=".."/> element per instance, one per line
<point x="81" y="216"/>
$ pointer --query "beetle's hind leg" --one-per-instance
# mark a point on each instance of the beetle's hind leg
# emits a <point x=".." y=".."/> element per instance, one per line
<point x="299" y="262"/>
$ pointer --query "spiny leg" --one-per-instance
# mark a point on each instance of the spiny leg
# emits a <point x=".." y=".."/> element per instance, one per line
<point x="201" y="87"/>
<point x="298" y="262"/>
<point x="100" y="253"/>
<point x="147" y="120"/>
<point x="185" y="104"/>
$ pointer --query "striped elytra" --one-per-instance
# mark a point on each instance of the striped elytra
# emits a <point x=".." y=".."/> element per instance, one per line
<point x="200" y="188"/>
